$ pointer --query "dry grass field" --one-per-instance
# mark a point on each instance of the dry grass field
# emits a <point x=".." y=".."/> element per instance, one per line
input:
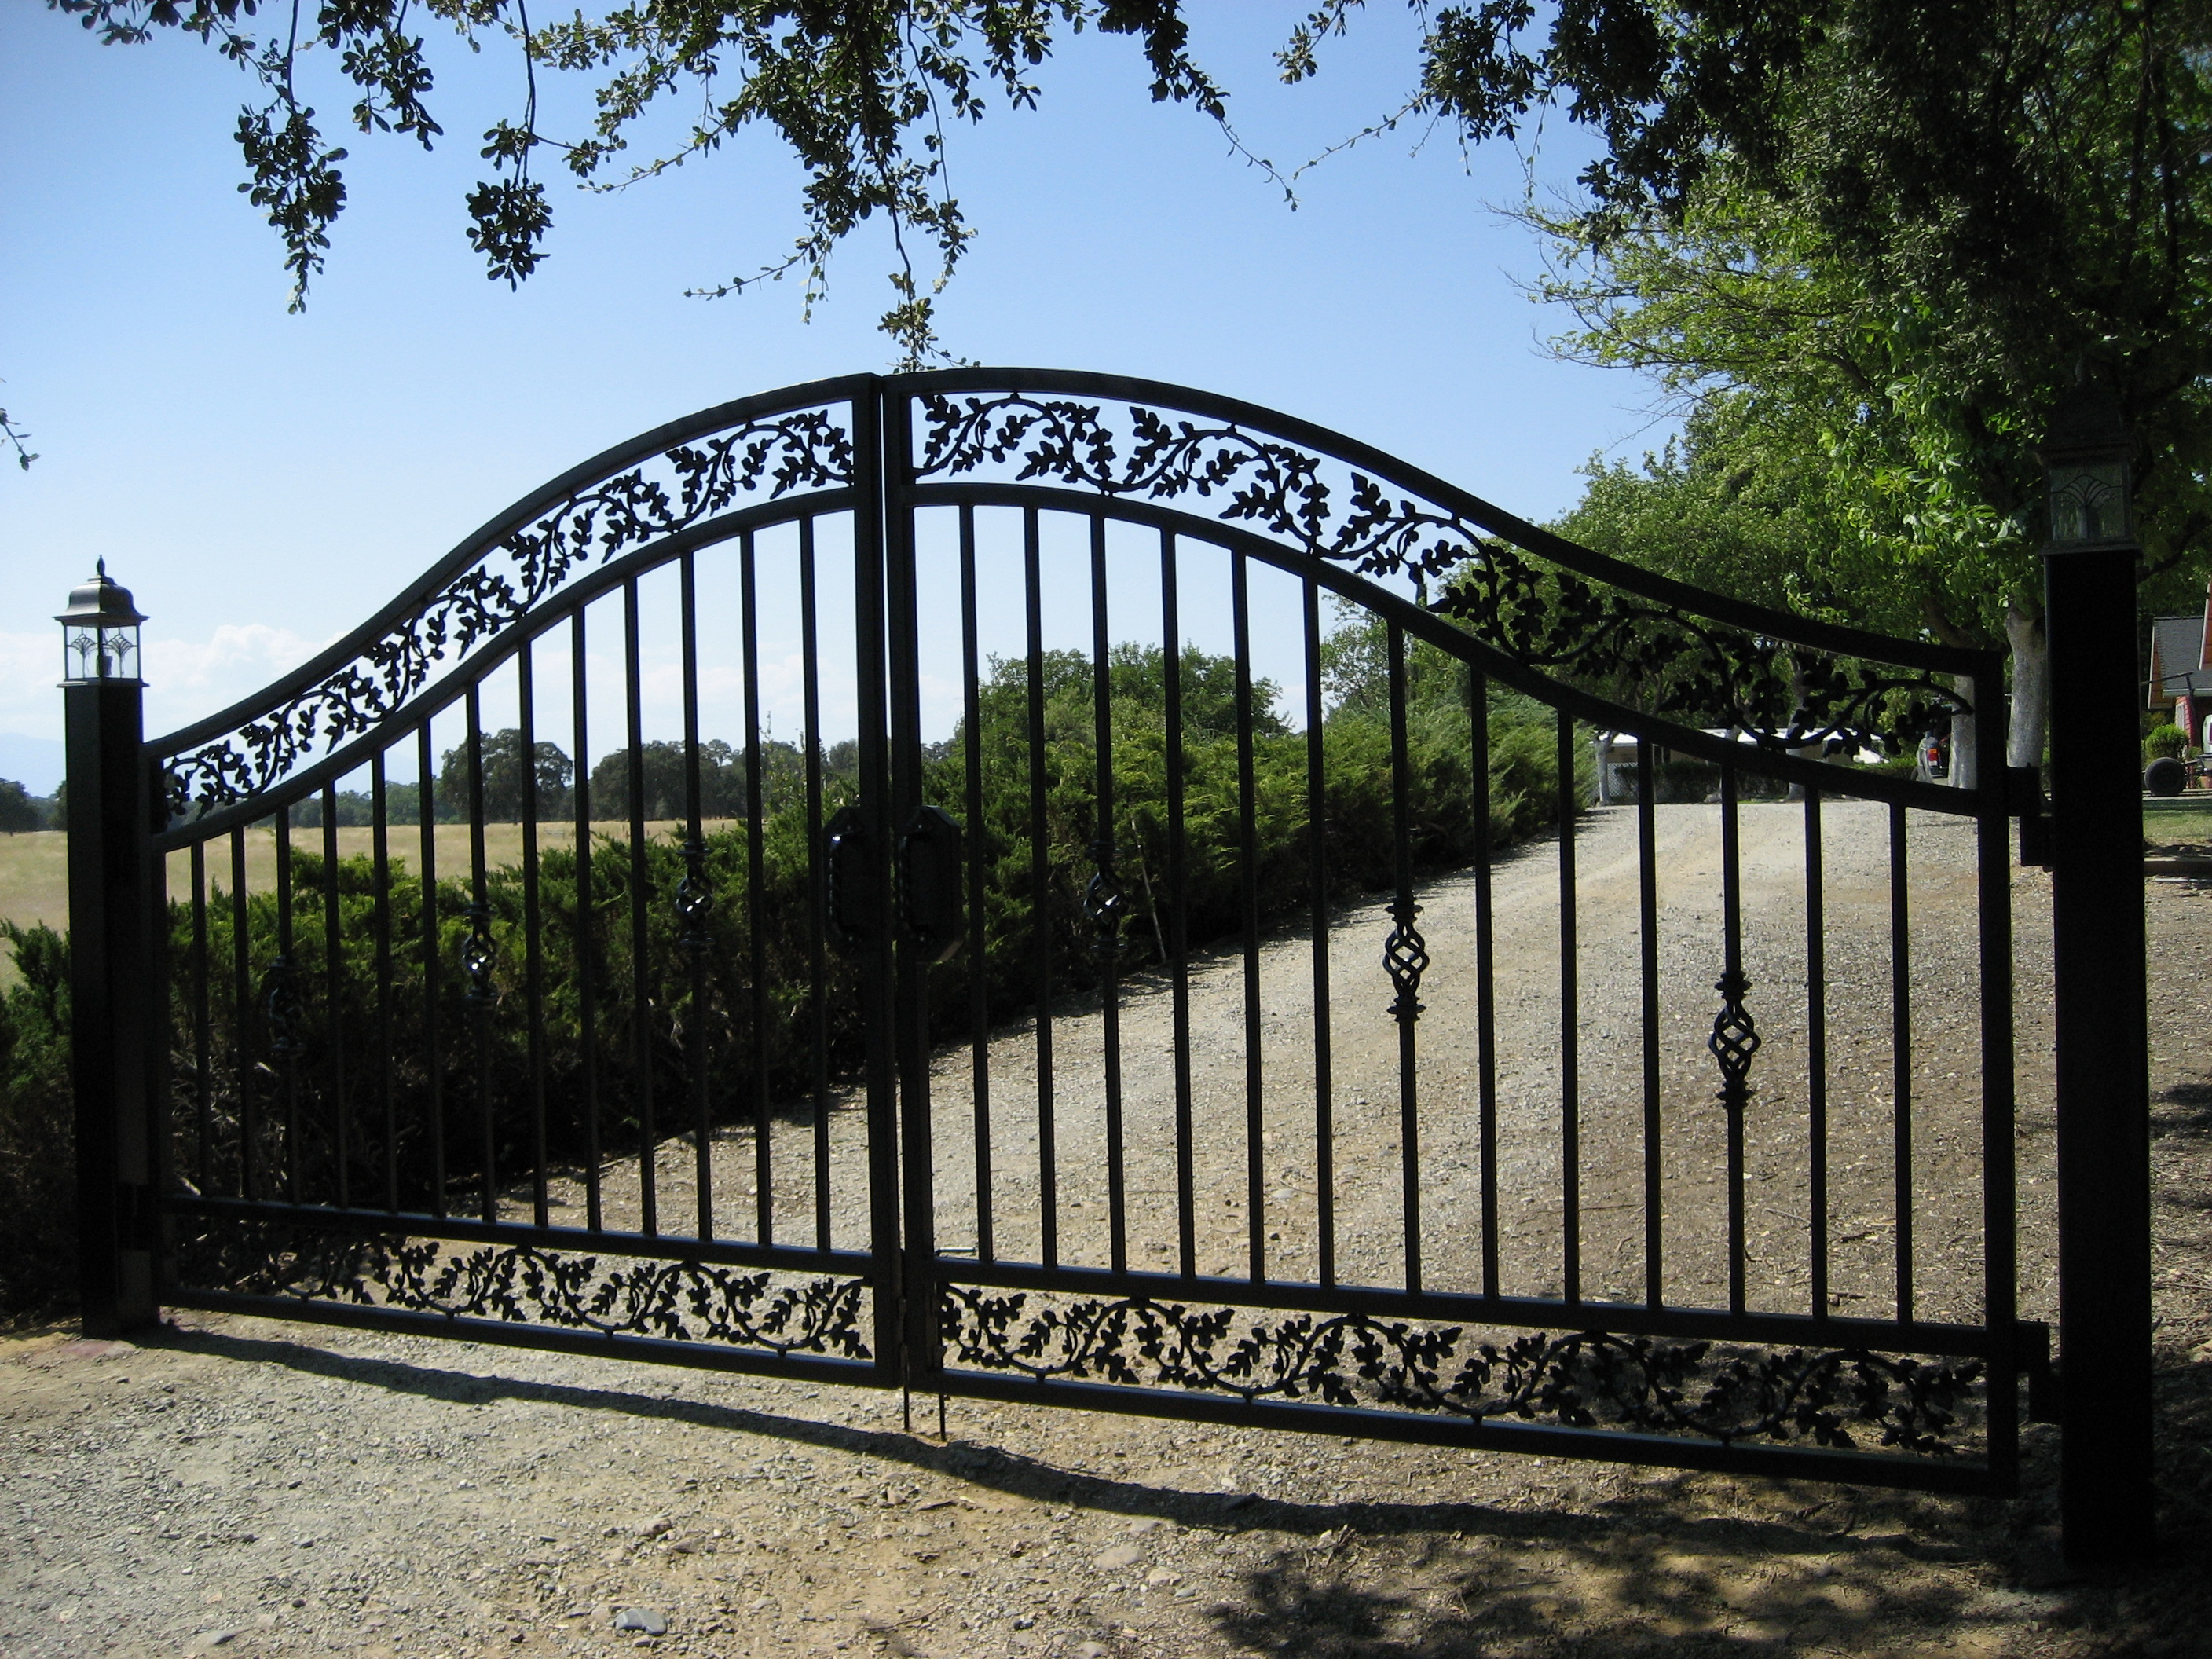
<point x="34" y="867"/>
<point x="34" y="878"/>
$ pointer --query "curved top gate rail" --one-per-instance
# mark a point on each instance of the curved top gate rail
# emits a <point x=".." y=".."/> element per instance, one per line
<point x="686" y="476"/>
<point x="1540" y="604"/>
<point x="1517" y="597"/>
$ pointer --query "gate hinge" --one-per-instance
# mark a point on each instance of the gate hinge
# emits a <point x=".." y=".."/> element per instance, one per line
<point x="2045" y="1392"/>
<point x="135" y="1216"/>
<point x="2024" y="800"/>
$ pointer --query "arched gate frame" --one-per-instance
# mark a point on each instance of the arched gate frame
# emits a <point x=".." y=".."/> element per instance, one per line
<point x="536" y="1102"/>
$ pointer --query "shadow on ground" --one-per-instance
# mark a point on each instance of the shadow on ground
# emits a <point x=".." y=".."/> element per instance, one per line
<point x="1676" y="1561"/>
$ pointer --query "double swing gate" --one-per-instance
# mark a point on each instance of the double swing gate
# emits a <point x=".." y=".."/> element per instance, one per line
<point x="1048" y="887"/>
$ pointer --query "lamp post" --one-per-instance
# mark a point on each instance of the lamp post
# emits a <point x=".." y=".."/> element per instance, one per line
<point x="2099" y="983"/>
<point x="114" y="891"/>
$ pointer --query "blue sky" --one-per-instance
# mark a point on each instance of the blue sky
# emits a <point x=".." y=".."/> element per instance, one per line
<point x="263" y="480"/>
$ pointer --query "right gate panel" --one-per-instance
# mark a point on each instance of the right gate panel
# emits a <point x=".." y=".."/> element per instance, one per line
<point x="1297" y="1068"/>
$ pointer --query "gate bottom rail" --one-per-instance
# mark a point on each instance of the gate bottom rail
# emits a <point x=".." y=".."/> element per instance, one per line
<point x="337" y="1266"/>
<point x="1583" y="1380"/>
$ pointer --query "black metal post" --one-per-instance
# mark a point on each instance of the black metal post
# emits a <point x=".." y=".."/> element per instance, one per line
<point x="2100" y="978"/>
<point x="113" y="979"/>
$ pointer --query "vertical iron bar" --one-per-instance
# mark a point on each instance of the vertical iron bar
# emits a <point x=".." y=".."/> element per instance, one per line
<point x="979" y="980"/>
<point x="287" y="1043"/>
<point x="426" y="811"/>
<point x="1647" y="866"/>
<point x="1649" y="969"/>
<point x="1900" y="1038"/>
<point x="1178" y="907"/>
<point x="1734" y="1097"/>
<point x="587" y="1030"/>
<point x="1571" y="1088"/>
<point x="1107" y="917"/>
<point x="1485" y="988"/>
<point x="341" y="1119"/>
<point x="1816" y="1046"/>
<point x="1041" y="895"/>
<point x="818" y="965"/>
<point x="241" y="969"/>
<point x="203" y="1105"/>
<point x="380" y="803"/>
<point x="479" y="935"/>
<point x="690" y="904"/>
<point x="756" y="894"/>
<point x="1999" y="1266"/>
<point x="878" y="1007"/>
<point x="1405" y="956"/>
<point x="533" y="946"/>
<point x="1317" y="916"/>
<point x="1247" y="882"/>
<point x="641" y="968"/>
<point x="902" y="655"/>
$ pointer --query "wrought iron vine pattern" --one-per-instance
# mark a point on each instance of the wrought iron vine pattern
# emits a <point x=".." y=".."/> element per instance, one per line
<point x="1546" y="619"/>
<point x="807" y="450"/>
<point x="525" y="1283"/>
<point x="1584" y="1379"/>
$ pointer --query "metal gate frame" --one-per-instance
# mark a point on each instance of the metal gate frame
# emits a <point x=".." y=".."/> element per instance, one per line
<point x="1268" y="489"/>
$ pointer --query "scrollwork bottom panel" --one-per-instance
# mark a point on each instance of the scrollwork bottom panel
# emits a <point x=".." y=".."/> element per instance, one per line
<point x="1837" y="1399"/>
<point x="679" y="1301"/>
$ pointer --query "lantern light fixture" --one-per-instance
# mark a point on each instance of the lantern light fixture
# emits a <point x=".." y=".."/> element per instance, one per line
<point x="99" y="633"/>
<point x="2088" y="465"/>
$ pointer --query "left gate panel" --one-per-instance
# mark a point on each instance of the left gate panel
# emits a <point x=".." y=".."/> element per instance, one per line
<point x="513" y="1012"/>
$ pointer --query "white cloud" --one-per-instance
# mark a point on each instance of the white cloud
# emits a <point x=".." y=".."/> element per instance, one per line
<point x="237" y="658"/>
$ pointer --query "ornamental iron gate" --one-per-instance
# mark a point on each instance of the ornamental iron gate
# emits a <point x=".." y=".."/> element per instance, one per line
<point x="1062" y="1012"/>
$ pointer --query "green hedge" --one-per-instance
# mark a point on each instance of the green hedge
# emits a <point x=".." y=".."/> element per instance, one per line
<point x="391" y="1069"/>
<point x="38" y="1158"/>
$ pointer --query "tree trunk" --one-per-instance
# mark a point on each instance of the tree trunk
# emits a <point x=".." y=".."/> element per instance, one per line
<point x="1964" y="761"/>
<point x="2031" y="686"/>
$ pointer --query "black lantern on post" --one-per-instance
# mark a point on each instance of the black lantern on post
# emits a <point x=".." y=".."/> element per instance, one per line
<point x="117" y="912"/>
<point x="2086" y="461"/>
<point x="2100" y="982"/>
<point x="100" y="631"/>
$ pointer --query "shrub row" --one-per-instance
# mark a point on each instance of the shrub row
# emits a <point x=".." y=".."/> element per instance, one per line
<point x="373" y="1035"/>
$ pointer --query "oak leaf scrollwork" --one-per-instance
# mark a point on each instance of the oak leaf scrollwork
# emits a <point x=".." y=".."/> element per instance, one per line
<point x="1582" y="1379"/>
<point x="1542" y="615"/>
<point x="528" y="1283"/>
<point x="806" y="449"/>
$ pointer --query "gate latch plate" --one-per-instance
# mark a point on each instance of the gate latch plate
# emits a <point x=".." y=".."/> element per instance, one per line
<point x="931" y="913"/>
<point x="853" y="901"/>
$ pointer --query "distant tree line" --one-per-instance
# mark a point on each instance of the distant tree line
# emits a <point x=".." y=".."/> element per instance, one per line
<point x="22" y="810"/>
<point x="725" y="789"/>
